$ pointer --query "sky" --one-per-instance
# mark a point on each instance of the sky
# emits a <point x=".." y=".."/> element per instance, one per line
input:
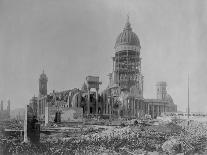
<point x="70" y="39"/>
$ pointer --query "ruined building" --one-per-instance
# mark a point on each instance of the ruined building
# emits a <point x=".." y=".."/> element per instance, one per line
<point x="123" y="96"/>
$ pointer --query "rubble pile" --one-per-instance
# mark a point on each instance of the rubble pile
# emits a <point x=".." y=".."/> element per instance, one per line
<point x="136" y="139"/>
<point x="12" y="124"/>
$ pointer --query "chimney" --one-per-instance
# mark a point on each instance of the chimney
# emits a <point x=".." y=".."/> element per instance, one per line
<point x="2" y="105"/>
<point x="8" y="108"/>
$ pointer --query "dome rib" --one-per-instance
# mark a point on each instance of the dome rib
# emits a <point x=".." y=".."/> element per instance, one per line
<point x="127" y="37"/>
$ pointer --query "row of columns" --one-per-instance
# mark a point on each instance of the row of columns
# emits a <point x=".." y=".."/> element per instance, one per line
<point x="156" y="110"/>
<point x="137" y="107"/>
<point x="133" y="107"/>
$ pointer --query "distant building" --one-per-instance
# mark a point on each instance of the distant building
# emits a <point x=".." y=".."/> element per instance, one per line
<point x="5" y="114"/>
<point x="163" y="103"/>
<point x="33" y="104"/>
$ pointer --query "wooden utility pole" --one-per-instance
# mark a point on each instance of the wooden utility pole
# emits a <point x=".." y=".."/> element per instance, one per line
<point x="25" y="125"/>
<point x="188" y="101"/>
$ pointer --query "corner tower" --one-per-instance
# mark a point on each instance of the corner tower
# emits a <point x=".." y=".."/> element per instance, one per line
<point x="127" y="61"/>
<point x="43" y="84"/>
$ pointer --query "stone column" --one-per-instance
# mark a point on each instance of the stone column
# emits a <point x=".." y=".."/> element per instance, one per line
<point x="164" y="107"/>
<point x="138" y="110"/>
<point x="38" y="108"/>
<point x="158" y="110"/>
<point x="110" y="104"/>
<point x="97" y="101"/>
<point x="134" y="108"/>
<point x="25" y="126"/>
<point x="88" y="105"/>
<point x="148" y="108"/>
<point x="46" y="114"/>
<point x="153" y="110"/>
<point x="107" y="104"/>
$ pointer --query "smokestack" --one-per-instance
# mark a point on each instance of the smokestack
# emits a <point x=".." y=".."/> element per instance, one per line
<point x="8" y="108"/>
<point x="2" y="105"/>
<point x="8" y="105"/>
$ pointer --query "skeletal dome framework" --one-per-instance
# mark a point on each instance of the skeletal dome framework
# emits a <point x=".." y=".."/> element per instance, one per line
<point x="127" y="62"/>
<point x="127" y="38"/>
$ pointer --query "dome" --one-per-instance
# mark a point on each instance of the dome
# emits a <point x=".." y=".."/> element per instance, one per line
<point x="127" y="37"/>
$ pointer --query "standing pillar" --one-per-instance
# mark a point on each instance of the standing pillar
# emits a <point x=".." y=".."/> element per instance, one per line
<point x="148" y="109"/>
<point x="164" y="108"/>
<point x="134" y="107"/>
<point x="138" y="109"/>
<point x="46" y="114"/>
<point x="161" y="109"/>
<point x="2" y="105"/>
<point x="153" y="110"/>
<point x="110" y="105"/>
<point x="107" y="104"/>
<point x="25" y="126"/>
<point x="38" y="108"/>
<point x="88" y="105"/>
<point x="158" y="110"/>
<point x="97" y="101"/>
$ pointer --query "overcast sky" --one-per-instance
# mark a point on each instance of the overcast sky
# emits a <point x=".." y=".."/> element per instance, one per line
<point x="71" y="39"/>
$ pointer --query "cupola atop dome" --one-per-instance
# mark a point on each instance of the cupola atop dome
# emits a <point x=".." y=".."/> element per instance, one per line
<point x="127" y="39"/>
<point x="128" y="25"/>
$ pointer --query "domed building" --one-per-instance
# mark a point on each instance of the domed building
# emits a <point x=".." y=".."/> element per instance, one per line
<point x="127" y="62"/>
<point x="127" y="39"/>
<point x="124" y="94"/>
<point x="126" y="79"/>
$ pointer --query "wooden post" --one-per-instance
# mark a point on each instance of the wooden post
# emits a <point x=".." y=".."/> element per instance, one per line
<point x="46" y="114"/>
<point x="88" y="106"/>
<point x="25" y="126"/>
<point x="97" y="102"/>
